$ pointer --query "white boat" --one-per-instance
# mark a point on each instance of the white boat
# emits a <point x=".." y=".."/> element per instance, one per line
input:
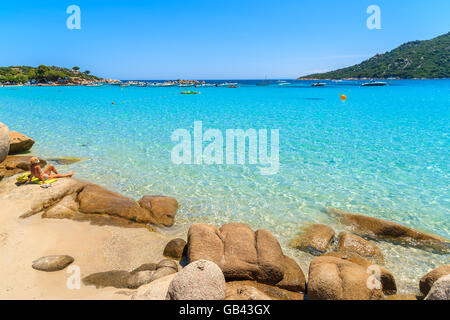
<point x="318" y="84"/>
<point x="373" y="83"/>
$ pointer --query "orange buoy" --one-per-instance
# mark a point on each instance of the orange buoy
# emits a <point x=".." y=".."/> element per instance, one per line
<point x="343" y="97"/>
<point x="112" y="102"/>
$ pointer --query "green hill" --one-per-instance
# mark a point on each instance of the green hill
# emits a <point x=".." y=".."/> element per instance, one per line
<point x="43" y="74"/>
<point x="412" y="60"/>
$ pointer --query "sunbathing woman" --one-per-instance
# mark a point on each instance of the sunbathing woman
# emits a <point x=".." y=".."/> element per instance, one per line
<point x="47" y="173"/>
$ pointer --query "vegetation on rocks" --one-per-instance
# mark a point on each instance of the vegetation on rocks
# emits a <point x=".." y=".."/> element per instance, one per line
<point x="412" y="60"/>
<point x="42" y="74"/>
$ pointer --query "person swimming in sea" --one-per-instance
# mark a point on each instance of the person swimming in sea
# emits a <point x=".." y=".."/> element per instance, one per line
<point x="48" y="173"/>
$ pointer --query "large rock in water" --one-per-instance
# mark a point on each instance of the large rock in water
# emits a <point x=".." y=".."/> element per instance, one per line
<point x="19" y="143"/>
<point x="96" y="199"/>
<point x="161" y="208"/>
<point x="314" y="239"/>
<point x="431" y="277"/>
<point x="294" y="278"/>
<point x="52" y="263"/>
<point x="389" y="230"/>
<point x="351" y="243"/>
<point x="4" y="142"/>
<point x="241" y="253"/>
<point x="440" y="289"/>
<point x="199" y="280"/>
<point x="389" y="286"/>
<point x="332" y="278"/>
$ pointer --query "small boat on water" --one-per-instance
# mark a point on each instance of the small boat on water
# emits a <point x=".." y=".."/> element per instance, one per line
<point x="373" y="83"/>
<point x="227" y="84"/>
<point x="283" y="83"/>
<point x="318" y="84"/>
<point x="189" y="92"/>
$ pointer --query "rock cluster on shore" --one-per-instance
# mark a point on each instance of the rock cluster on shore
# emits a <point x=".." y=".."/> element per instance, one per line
<point x="81" y="200"/>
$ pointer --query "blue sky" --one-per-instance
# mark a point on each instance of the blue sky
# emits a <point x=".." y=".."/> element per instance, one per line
<point x="202" y="39"/>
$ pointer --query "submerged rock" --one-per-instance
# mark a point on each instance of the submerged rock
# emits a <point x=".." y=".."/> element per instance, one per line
<point x="4" y="142"/>
<point x="252" y="290"/>
<point x="19" y="143"/>
<point x="52" y="263"/>
<point x="389" y="230"/>
<point x="431" y="277"/>
<point x="331" y="278"/>
<point x="199" y="280"/>
<point x="241" y="253"/>
<point x="161" y="208"/>
<point x="440" y="289"/>
<point x="351" y="243"/>
<point x="314" y="239"/>
<point x="65" y="160"/>
<point x="174" y="248"/>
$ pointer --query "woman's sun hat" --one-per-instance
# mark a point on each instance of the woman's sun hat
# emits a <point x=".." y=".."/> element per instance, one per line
<point x="34" y="160"/>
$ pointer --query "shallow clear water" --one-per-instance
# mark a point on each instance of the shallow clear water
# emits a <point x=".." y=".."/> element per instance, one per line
<point x="383" y="152"/>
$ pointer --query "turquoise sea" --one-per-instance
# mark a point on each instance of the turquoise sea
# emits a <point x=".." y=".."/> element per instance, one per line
<point x="383" y="152"/>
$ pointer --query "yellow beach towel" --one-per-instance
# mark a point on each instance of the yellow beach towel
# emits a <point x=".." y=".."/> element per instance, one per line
<point x="24" y="178"/>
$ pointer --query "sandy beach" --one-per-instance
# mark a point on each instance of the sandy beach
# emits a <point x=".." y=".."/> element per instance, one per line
<point x="95" y="249"/>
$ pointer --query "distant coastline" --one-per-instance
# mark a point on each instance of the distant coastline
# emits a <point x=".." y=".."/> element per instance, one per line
<point x="427" y="59"/>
